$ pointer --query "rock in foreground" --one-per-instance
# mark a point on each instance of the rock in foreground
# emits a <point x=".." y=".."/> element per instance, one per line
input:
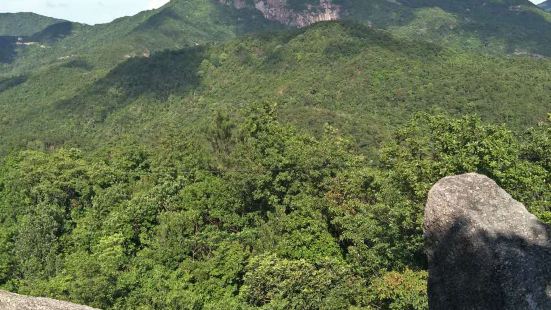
<point x="10" y="301"/>
<point x="485" y="250"/>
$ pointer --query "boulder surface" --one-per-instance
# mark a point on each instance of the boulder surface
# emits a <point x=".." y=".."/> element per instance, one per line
<point x="11" y="301"/>
<point x="485" y="250"/>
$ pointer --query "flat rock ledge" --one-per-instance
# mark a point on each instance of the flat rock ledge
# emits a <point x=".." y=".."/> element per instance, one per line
<point x="11" y="301"/>
<point x="485" y="250"/>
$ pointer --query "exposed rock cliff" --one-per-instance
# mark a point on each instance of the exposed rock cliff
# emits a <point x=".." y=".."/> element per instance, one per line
<point x="485" y="250"/>
<point x="10" y="301"/>
<point x="280" y="11"/>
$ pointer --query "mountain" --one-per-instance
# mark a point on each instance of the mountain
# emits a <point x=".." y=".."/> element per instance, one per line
<point x="24" y="24"/>
<point x="240" y="155"/>
<point x="360" y="79"/>
<point x="109" y="62"/>
<point x="16" y="27"/>
<point x="169" y="27"/>
<point x="546" y="5"/>
<point x="490" y="26"/>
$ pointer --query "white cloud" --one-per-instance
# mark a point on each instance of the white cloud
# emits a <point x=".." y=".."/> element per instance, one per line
<point x="153" y="4"/>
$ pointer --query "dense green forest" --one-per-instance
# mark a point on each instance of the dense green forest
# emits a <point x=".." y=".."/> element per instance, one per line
<point x="494" y="27"/>
<point x="199" y="156"/>
<point x="261" y="216"/>
<point x="24" y="24"/>
<point x="105" y="45"/>
<point x="362" y="80"/>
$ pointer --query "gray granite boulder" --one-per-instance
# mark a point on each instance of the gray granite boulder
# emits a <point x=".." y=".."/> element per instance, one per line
<point x="485" y="250"/>
<point x="11" y="301"/>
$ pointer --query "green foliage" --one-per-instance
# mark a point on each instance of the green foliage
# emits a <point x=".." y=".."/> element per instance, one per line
<point x="371" y="84"/>
<point x="7" y="261"/>
<point x="395" y="290"/>
<point x="24" y="24"/>
<point x="535" y="149"/>
<point x="275" y="283"/>
<point x="162" y="182"/>
<point x="432" y="147"/>
<point x="264" y="216"/>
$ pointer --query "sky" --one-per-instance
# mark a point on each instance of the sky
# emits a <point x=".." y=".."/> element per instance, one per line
<point x="86" y="11"/>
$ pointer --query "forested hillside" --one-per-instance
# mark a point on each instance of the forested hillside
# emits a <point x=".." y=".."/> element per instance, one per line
<point x="260" y="216"/>
<point x="105" y="45"/>
<point x="24" y="24"/>
<point x="486" y="26"/>
<point x="362" y="80"/>
<point x="515" y="26"/>
<point x="206" y="156"/>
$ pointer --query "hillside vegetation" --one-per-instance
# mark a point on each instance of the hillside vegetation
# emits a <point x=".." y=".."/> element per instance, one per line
<point x="361" y="80"/>
<point x="485" y="26"/>
<point x="199" y="156"/>
<point x="260" y="216"/>
<point x="24" y="24"/>
<point x="515" y="26"/>
<point x="495" y="27"/>
<point x="105" y="45"/>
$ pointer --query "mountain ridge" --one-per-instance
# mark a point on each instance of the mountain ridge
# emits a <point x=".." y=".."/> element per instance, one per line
<point x="285" y="66"/>
<point x="489" y="26"/>
<point x="169" y="27"/>
<point x="492" y="27"/>
<point x="24" y="24"/>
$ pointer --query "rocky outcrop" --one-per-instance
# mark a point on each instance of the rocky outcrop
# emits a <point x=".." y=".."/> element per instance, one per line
<point x="279" y="10"/>
<point x="485" y="250"/>
<point x="10" y="301"/>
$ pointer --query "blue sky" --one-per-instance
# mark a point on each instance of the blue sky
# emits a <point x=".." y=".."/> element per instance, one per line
<point x="86" y="11"/>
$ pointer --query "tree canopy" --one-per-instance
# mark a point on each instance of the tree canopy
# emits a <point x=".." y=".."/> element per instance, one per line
<point x="263" y="215"/>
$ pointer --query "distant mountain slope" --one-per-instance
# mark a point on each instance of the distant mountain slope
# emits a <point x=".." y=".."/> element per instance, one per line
<point x="176" y="25"/>
<point x="348" y="75"/>
<point x="92" y="75"/>
<point x="24" y="24"/>
<point x="514" y="26"/>
<point x="546" y="5"/>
